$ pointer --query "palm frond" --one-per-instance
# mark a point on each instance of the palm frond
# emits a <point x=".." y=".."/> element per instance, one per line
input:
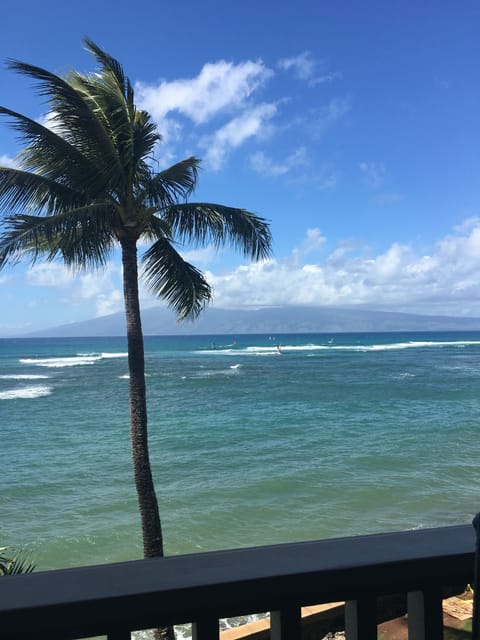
<point x="204" y="222"/>
<point x="51" y="155"/>
<point x="14" y="562"/>
<point x="82" y="238"/>
<point x="175" y="183"/>
<point x="170" y="277"/>
<point x="111" y="65"/>
<point x="79" y="124"/>
<point x="145" y="137"/>
<point x="22" y="190"/>
<point x="156" y="228"/>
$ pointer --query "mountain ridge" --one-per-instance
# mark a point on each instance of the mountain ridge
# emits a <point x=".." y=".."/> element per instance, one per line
<point x="284" y="319"/>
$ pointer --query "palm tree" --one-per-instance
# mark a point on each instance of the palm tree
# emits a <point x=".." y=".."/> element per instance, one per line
<point x="85" y="184"/>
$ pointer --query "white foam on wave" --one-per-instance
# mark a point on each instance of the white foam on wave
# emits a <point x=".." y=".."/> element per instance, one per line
<point x="113" y="355"/>
<point x="38" y="391"/>
<point x="406" y="345"/>
<point x="81" y="359"/>
<point x="58" y="363"/>
<point x="269" y="350"/>
<point x="23" y="376"/>
<point x="403" y="376"/>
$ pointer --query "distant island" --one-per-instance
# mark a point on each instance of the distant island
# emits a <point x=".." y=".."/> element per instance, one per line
<point x="276" y="320"/>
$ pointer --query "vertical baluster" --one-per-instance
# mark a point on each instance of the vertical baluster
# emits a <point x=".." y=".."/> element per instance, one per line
<point x="425" y="614"/>
<point x="205" y="629"/>
<point x="123" y="634"/>
<point x="286" y="624"/>
<point x="361" y="619"/>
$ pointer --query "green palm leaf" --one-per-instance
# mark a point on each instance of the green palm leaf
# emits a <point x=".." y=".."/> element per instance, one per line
<point x="203" y="222"/>
<point x="74" y="117"/>
<point x="51" y="155"/>
<point x="81" y="237"/>
<point x="24" y="190"/>
<point x="14" y="562"/>
<point x="181" y="284"/>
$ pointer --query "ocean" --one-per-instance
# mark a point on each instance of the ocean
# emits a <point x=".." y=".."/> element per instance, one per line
<point x="254" y="439"/>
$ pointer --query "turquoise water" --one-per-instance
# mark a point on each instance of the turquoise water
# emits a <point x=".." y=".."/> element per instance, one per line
<point x="334" y="435"/>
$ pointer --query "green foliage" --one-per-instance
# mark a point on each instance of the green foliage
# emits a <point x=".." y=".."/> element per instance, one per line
<point x="14" y="562"/>
<point x="86" y="181"/>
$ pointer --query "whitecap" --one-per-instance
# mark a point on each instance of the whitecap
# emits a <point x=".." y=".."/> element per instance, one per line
<point x="413" y="344"/>
<point x="235" y="366"/>
<point x="39" y="391"/>
<point x="114" y="355"/>
<point x="126" y="376"/>
<point x="23" y="377"/>
<point x="58" y="363"/>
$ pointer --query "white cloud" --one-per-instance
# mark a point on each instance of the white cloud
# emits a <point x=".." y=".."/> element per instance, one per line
<point x="319" y="121"/>
<point x="97" y="288"/>
<point x="443" y="280"/>
<point x="201" y="257"/>
<point x="313" y="241"/>
<point x="374" y="173"/>
<point x="304" y="67"/>
<point x="467" y="225"/>
<point x="446" y="281"/>
<point x="7" y="161"/>
<point x="219" y="86"/>
<point x="297" y="169"/>
<point x="251" y="123"/>
<point x="50" y="274"/>
<point x="108" y="303"/>
<point x="266" y="166"/>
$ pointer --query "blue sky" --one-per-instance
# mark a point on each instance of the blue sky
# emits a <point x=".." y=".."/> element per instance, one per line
<point x="353" y="127"/>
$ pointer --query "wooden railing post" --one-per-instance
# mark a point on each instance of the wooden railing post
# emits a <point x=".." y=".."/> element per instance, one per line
<point x="425" y="614"/>
<point x="119" y="635"/>
<point x="286" y="624"/>
<point x="205" y="629"/>
<point x="113" y="599"/>
<point x="361" y="618"/>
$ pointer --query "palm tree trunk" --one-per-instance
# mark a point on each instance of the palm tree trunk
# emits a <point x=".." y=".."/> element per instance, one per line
<point x="147" y="500"/>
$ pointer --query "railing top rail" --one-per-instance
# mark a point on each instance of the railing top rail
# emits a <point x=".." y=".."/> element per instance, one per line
<point x="180" y="588"/>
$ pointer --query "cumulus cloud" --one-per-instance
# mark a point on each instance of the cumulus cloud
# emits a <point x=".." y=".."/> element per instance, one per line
<point x="219" y="86"/>
<point x="100" y="289"/>
<point x="202" y="257"/>
<point x="49" y="274"/>
<point x="304" y="67"/>
<point x="110" y="302"/>
<point x="443" y="281"/>
<point x="252" y="123"/>
<point x="313" y="241"/>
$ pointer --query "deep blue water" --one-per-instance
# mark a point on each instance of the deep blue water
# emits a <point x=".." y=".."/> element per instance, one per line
<point x="333" y="435"/>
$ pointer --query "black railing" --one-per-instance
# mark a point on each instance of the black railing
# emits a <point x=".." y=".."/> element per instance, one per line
<point x="202" y="588"/>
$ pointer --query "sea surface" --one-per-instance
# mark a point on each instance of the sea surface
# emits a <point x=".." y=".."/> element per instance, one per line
<point x="254" y="439"/>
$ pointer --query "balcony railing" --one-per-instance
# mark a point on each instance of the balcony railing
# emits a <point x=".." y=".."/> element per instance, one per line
<point x="202" y="588"/>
